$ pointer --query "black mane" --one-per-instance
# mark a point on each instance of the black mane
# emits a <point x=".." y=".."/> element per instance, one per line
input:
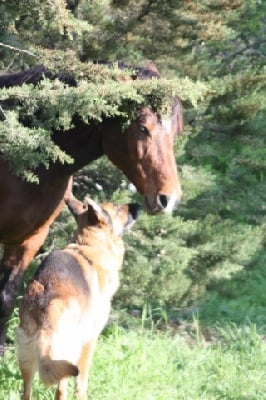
<point x="33" y="75"/>
<point x="142" y="73"/>
<point x="36" y="74"/>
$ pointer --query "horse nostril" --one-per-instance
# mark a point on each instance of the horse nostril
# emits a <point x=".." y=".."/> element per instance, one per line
<point x="162" y="200"/>
<point x="161" y="203"/>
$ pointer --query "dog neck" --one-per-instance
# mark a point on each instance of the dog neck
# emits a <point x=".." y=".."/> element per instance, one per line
<point x="103" y="254"/>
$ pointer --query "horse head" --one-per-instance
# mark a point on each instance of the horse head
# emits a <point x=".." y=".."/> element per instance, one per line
<point x="145" y="153"/>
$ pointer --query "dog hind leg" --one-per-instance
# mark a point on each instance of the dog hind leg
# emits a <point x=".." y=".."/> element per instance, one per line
<point x="83" y="365"/>
<point x="27" y="368"/>
<point x="26" y="361"/>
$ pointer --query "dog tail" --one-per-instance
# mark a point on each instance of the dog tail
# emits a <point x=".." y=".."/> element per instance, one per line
<point x="52" y="371"/>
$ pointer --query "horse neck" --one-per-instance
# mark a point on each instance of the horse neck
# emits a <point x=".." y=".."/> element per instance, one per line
<point x="83" y="143"/>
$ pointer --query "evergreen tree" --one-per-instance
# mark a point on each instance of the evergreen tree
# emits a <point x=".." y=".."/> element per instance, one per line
<point x="214" y="53"/>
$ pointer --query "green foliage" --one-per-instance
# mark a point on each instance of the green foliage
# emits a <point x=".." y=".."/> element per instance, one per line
<point x="156" y="267"/>
<point x="52" y="25"/>
<point x="25" y="151"/>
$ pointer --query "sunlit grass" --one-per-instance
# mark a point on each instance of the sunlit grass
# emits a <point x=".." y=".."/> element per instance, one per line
<point x="145" y="364"/>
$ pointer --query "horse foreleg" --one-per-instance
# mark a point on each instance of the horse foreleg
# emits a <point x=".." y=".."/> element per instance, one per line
<point x="14" y="263"/>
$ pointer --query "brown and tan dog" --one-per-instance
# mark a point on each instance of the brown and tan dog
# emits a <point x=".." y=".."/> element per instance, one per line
<point x="67" y="303"/>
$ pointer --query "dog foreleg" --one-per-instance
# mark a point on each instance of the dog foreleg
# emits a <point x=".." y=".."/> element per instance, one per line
<point x="27" y="372"/>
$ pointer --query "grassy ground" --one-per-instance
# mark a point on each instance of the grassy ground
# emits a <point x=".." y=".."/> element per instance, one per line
<point x="184" y="362"/>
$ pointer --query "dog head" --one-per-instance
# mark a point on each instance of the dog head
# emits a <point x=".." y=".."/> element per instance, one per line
<point x="117" y="218"/>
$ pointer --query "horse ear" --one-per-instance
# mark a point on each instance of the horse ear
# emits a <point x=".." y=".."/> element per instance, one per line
<point x="75" y="206"/>
<point x="178" y="115"/>
<point x="95" y="212"/>
<point x="150" y="66"/>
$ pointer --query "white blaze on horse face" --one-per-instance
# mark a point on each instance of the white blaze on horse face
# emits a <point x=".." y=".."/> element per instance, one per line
<point x="167" y="124"/>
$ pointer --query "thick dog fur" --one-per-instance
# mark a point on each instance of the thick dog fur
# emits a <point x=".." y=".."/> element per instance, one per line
<point x="68" y="300"/>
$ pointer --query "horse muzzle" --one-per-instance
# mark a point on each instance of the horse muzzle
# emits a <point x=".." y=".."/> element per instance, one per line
<point x="160" y="204"/>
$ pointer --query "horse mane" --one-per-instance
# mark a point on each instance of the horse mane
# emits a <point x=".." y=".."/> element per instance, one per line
<point x="36" y="74"/>
<point x="148" y="72"/>
<point x="33" y="75"/>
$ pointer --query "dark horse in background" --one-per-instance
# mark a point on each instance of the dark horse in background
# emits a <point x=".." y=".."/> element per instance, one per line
<point x="144" y="152"/>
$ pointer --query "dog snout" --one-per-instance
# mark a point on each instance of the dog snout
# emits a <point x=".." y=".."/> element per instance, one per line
<point x="134" y="209"/>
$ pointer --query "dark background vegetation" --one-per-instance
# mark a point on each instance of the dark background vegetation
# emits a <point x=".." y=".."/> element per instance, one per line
<point x="209" y="258"/>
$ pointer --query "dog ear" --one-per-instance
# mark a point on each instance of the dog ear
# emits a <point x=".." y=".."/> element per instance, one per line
<point x="75" y="206"/>
<point x="95" y="212"/>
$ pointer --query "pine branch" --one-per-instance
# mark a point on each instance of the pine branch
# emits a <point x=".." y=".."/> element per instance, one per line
<point x="243" y="50"/>
<point x="17" y="49"/>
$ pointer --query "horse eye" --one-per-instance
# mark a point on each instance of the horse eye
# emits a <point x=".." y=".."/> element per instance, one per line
<point x="143" y="129"/>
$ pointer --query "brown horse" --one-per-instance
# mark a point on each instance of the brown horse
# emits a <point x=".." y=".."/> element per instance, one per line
<point x="144" y="152"/>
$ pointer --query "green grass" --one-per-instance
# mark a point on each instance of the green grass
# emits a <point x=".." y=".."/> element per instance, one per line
<point x="229" y="363"/>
